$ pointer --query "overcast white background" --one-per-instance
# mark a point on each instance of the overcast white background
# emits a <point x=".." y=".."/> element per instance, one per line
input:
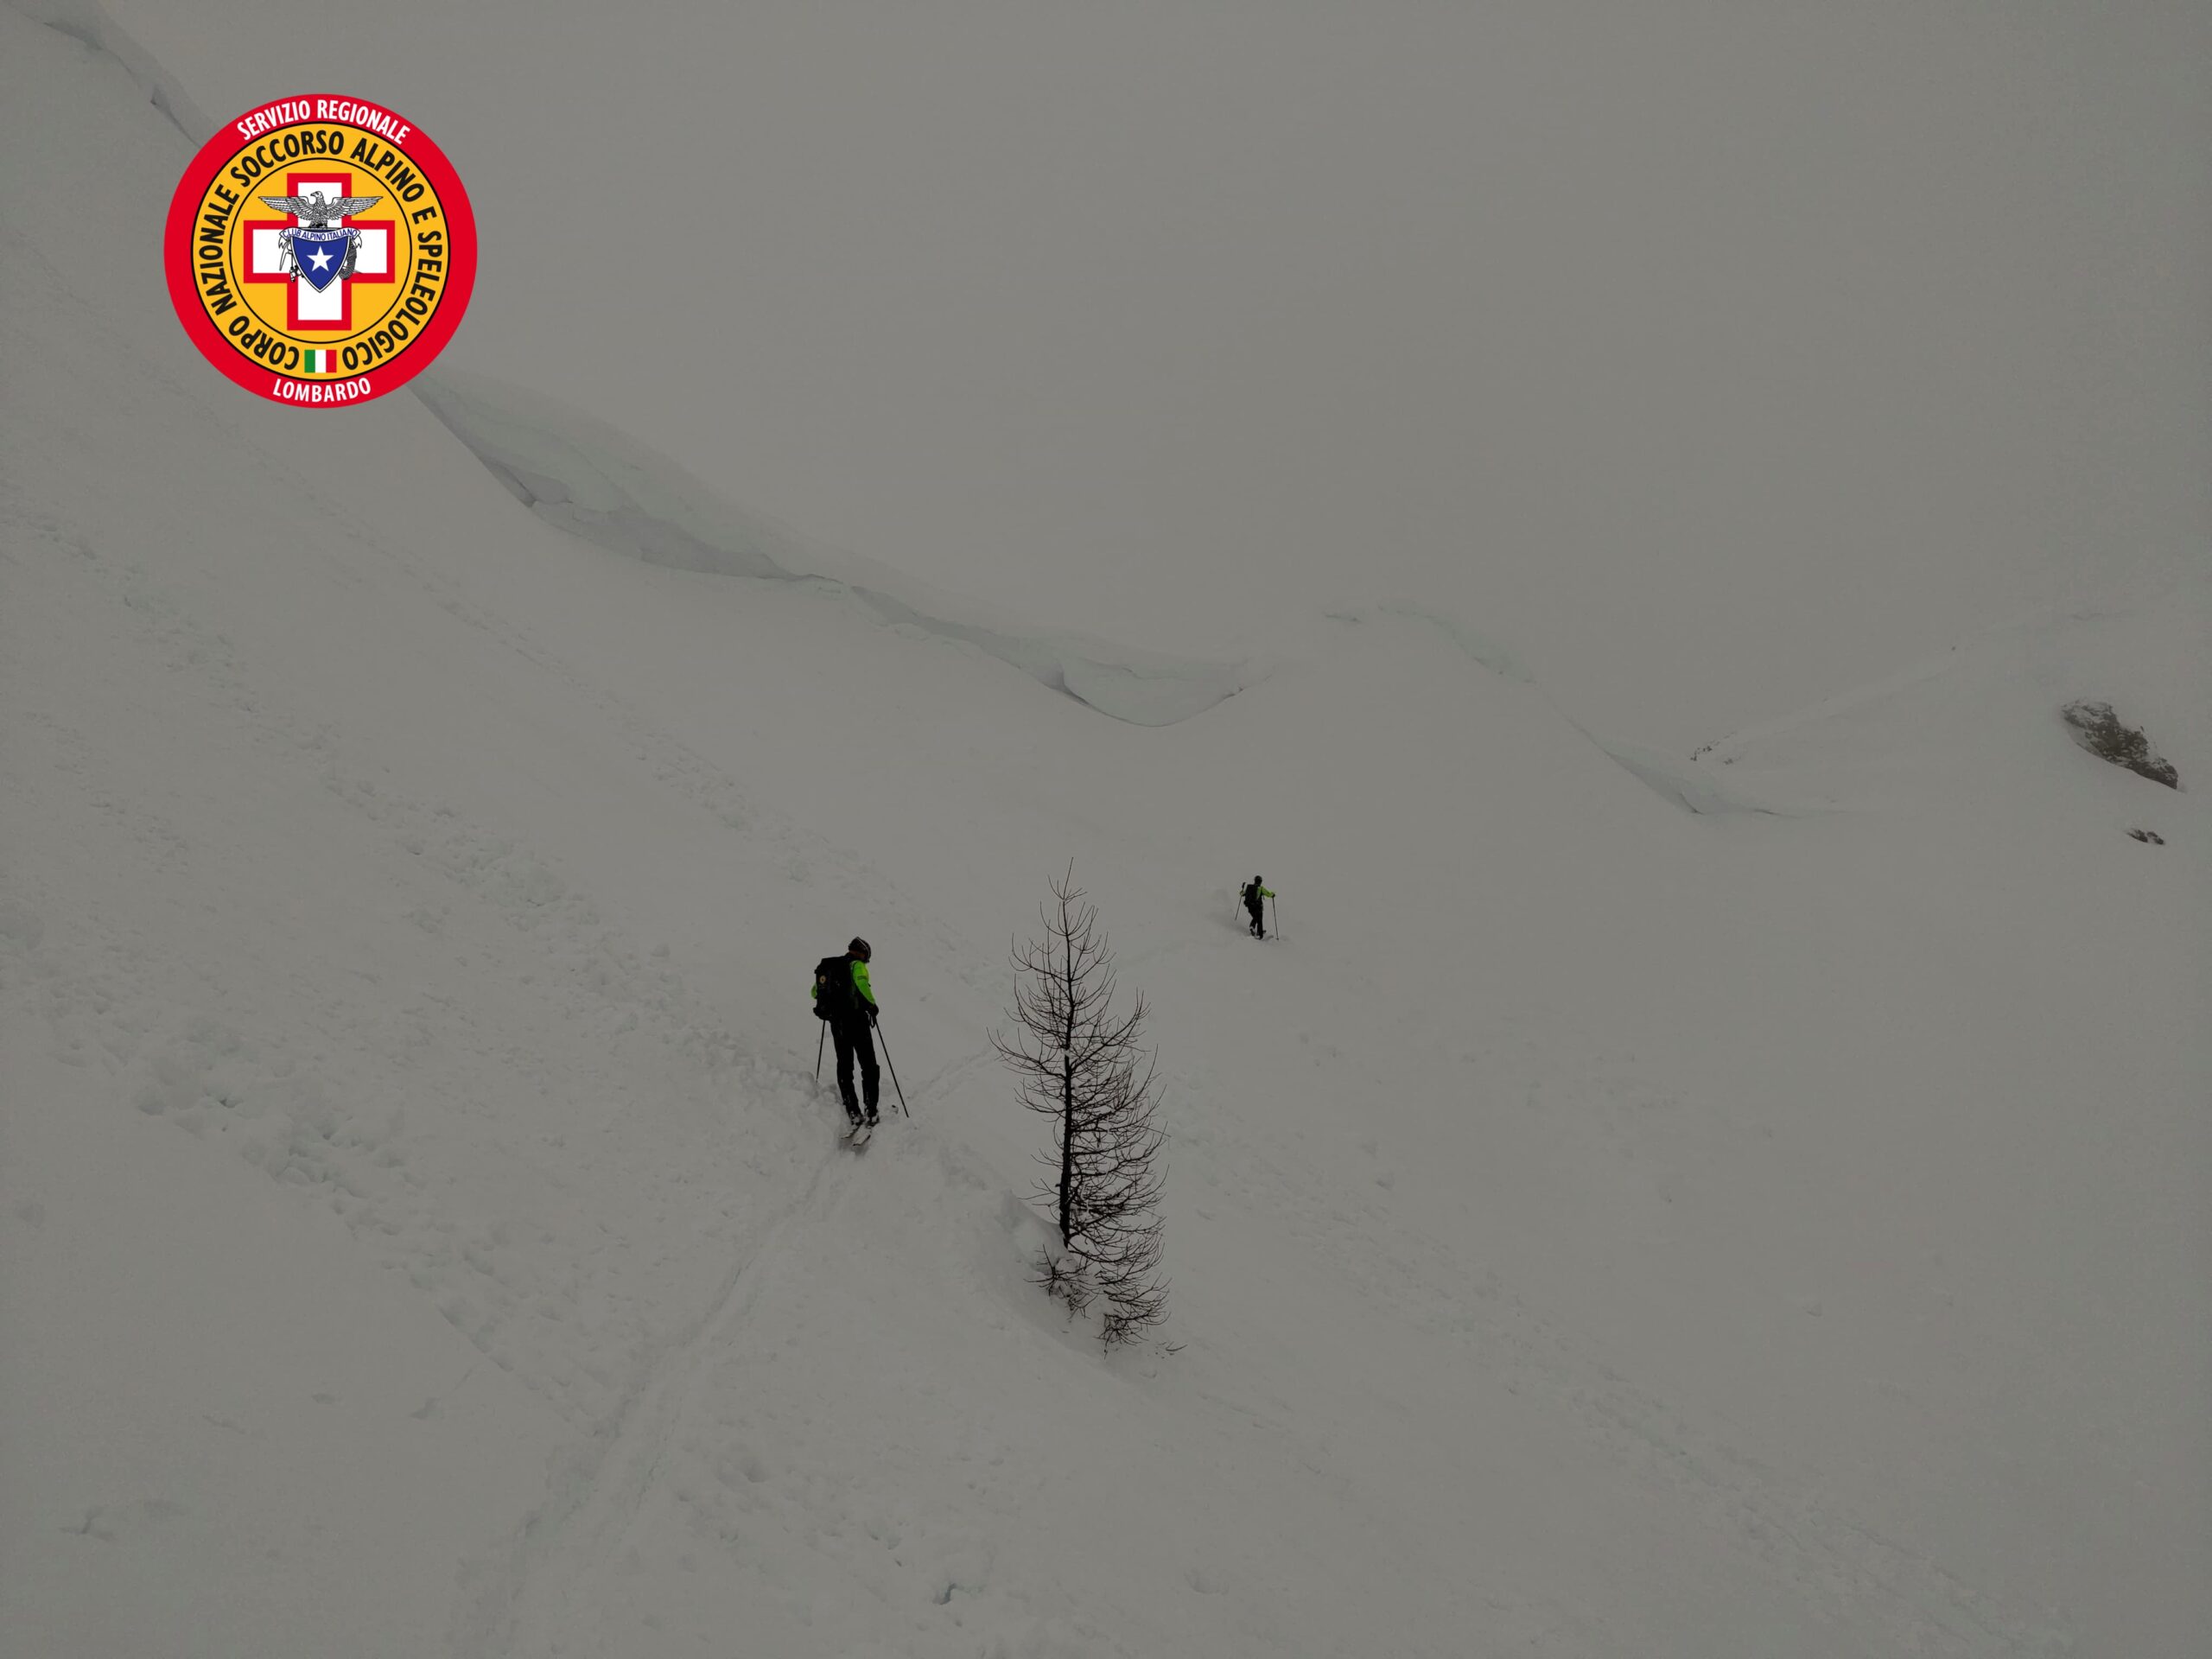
<point x="1787" y="331"/>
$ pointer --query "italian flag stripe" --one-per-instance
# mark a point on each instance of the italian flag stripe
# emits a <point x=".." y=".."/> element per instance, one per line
<point x="322" y="362"/>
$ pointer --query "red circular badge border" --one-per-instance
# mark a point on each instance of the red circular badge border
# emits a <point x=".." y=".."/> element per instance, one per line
<point x="403" y="366"/>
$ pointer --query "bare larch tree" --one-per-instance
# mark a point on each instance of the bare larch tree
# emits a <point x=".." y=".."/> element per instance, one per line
<point x="1083" y="1066"/>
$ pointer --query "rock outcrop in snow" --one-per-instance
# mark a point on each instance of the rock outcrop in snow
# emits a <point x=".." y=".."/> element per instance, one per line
<point x="2100" y="731"/>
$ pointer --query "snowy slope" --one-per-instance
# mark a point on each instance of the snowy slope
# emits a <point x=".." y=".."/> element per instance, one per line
<point x="588" y="480"/>
<point x="1597" y="1229"/>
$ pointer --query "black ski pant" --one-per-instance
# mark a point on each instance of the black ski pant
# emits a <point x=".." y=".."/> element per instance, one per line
<point x="1257" y="927"/>
<point x="853" y="1038"/>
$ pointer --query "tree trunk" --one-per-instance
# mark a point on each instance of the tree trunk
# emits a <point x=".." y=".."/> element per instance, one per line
<point x="1067" y="1143"/>
<point x="1067" y="1089"/>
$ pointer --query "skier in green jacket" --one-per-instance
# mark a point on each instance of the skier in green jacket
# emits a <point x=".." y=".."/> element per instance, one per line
<point x="1254" y="891"/>
<point x="844" y="996"/>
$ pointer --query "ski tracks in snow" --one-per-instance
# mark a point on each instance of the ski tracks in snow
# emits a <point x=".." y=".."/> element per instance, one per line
<point x="513" y="1604"/>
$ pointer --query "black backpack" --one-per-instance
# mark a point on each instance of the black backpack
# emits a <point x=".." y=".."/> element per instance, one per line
<point x="833" y="987"/>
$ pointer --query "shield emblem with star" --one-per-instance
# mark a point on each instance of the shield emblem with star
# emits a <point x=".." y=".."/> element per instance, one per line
<point x="320" y="256"/>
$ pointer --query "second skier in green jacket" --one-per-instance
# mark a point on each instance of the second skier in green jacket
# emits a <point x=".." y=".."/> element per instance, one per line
<point x="844" y="997"/>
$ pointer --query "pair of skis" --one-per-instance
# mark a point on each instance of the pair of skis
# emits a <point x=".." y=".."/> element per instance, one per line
<point x="857" y="1132"/>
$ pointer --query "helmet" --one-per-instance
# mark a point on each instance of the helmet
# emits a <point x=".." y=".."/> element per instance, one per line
<point x="859" y="948"/>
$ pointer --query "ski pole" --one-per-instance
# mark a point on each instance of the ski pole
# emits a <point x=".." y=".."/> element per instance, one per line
<point x="819" y="1037"/>
<point x="1278" y="921"/>
<point x="896" y="1089"/>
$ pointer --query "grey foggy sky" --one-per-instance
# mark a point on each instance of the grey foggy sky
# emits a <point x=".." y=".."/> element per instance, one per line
<point x="1712" y="354"/>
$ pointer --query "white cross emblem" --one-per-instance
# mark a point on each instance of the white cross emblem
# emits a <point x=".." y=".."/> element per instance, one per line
<point x="269" y="258"/>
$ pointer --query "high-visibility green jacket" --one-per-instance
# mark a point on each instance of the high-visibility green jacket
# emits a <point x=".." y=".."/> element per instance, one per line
<point x="1264" y="893"/>
<point x="861" y="989"/>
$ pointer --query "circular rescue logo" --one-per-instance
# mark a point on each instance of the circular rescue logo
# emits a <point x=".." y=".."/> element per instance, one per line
<point x="321" y="251"/>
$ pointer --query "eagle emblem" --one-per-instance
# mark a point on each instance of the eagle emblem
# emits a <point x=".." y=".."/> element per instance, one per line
<point x="314" y="251"/>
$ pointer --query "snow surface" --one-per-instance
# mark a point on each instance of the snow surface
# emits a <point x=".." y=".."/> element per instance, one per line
<point x="592" y="482"/>
<point x="597" y="483"/>
<point x="1597" y="1229"/>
